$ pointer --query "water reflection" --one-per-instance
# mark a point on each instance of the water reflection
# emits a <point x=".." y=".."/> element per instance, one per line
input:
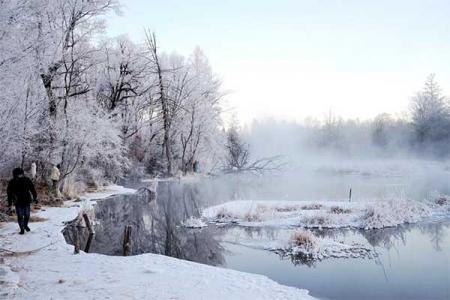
<point x="417" y="268"/>
<point x="434" y="234"/>
<point x="412" y="262"/>
<point x="156" y="226"/>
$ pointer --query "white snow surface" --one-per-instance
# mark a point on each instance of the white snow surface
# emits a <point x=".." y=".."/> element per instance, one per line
<point x="54" y="272"/>
<point x="194" y="223"/>
<point x="321" y="214"/>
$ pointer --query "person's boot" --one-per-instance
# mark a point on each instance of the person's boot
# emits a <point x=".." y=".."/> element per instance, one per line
<point x="21" y="231"/>
<point x="27" y="228"/>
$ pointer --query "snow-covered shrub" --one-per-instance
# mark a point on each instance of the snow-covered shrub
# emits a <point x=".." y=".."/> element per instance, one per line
<point x="262" y="208"/>
<point x="304" y="240"/>
<point x="252" y="217"/>
<point x="312" y="207"/>
<point x="441" y="201"/>
<point x="339" y="210"/>
<point x="318" y="220"/>
<point x="394" y="212"/>
<point x="288" y="208"/>
<point x="224" y="215"/>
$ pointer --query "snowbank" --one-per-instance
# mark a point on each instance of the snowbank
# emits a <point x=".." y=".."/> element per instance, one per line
<point x="54" y="272"/>
<point x="319" y="214"/>
<point x="194" y="223"/>
<point x="305" y="247"/>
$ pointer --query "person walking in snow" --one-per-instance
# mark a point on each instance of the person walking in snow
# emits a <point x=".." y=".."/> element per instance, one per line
<point x="33" y="171"/>
<point x="21" y="193"/>
<point x="54" y="176"/>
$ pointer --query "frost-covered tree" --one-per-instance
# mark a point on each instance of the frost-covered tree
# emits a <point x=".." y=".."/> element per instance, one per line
<point x="48" y="48"/>
<point x="430" y="115"/>
<point x="97" y="106"/>
<point x="238" y="155"/>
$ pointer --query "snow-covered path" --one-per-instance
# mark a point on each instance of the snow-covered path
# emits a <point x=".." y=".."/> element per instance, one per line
<point x="54" y="272"/>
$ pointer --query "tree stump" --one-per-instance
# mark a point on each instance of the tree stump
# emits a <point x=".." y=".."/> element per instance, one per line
<point x="127" y="241"/>
<point x="76" y="242"/>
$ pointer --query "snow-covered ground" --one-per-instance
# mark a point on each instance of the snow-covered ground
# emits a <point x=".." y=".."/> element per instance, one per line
<point x="323" y="214"/>
<point x="194" y="223"/>
<point x="52" y="271"/>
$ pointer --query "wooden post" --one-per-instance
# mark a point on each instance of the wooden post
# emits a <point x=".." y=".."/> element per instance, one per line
<point x="88" y="223"/>
<point x="127" y="241"/>
<point x="76" y="242"/>
<point x="91" y="232"/>
<point x="350" y="195"/>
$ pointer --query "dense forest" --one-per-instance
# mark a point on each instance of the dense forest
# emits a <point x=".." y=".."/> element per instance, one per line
<point x="105" y="107"/>
<point x="98" y="106"/>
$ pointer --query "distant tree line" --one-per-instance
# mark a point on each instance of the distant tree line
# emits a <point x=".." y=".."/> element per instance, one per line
<point x="423" y="130"/>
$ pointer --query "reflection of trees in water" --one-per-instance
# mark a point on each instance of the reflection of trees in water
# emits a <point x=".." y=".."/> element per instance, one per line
<point x="436" y="231"/>
<point x="156" y="225"/>
<point x="389" y="237"/>
<point x="386" y="237"/>
<point x="303" y="259"/>
<point x="177" y="202"/>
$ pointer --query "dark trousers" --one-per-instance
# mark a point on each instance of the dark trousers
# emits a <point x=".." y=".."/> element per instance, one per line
<point x="55" y="188"/>
<point x="23" y="215"/>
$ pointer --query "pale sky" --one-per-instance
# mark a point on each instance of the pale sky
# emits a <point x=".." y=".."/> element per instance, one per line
<point x="290" y="59"/>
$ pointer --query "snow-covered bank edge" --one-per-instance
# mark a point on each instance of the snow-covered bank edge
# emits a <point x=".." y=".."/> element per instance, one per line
<point x="55" y="272"/>
<point x="325" y="214"/>
<point x="304" y="220"/>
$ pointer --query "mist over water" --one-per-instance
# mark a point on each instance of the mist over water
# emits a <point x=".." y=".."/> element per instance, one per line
<point x="369" y="180"/>
<point x="377" y="159"/>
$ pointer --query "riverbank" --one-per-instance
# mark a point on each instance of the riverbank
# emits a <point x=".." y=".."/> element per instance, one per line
<point x="41" y="265"/>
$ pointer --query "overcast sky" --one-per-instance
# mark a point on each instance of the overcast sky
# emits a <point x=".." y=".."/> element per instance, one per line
<point x="290" y="59"/>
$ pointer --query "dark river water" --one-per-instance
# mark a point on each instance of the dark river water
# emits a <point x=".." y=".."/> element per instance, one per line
<point x="412" y="263"/>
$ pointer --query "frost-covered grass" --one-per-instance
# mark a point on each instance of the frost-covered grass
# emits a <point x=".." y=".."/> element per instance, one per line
<point x="303" y="239"/>
<point x="194" y="223"/>
<point x="324" y="214"/>
<point x="305" y="247"/>
<point x="47" y="269"/>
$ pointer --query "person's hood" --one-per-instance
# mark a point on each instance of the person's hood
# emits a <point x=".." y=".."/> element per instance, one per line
<point x="17" y="172"/>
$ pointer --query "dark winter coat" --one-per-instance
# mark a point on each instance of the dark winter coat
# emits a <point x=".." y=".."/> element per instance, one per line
<point x="21" y="191"/>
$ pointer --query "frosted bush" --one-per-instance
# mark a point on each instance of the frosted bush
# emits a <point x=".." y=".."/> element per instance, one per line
<point x="224" y="215"/>
<point x="252" y="217"/>
<point x="339" y="210"/>
<point x="394" y="212"/>
<point x="304" y="240"/>
<point x="312" y="207"/>
<point x="316" y="221"/>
